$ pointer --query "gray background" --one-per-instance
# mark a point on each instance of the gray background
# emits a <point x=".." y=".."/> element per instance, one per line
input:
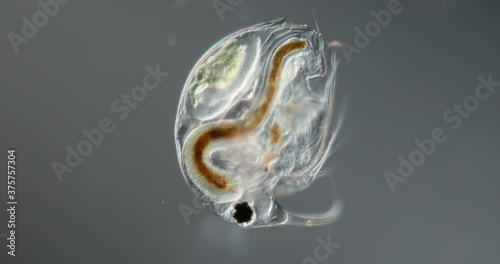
<point x="121" y="204"/>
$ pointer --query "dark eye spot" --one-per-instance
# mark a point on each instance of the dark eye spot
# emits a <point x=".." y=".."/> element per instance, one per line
<point x="243" y="213"/>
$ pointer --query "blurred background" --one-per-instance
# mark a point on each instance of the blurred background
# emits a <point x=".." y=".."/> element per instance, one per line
<point x="67" y="66"/>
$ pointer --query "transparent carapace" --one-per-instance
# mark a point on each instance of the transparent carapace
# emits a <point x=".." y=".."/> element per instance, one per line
<point x="255" y="120"/>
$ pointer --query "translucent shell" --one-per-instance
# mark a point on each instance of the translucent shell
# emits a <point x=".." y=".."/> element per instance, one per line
<point x="255" y="120"/>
